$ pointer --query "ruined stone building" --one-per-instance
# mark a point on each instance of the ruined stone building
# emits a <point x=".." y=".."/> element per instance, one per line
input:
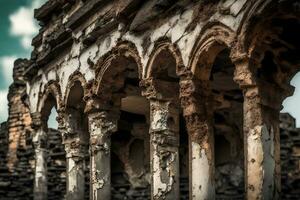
<point x="160" y="99"/>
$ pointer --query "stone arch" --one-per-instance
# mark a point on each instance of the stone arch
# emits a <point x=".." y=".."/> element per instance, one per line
<point x="164" y="46"/>
<point x="51" y="88"/>
<point x="245" y="30"/>
<point x="218" y="103"/>
<point x="50" y="140"/>
<point x="118" y="93"/>
<point x="76" y="137"/>
<point x="214" y="38"/>
<point x="264" y="32"/>
<point x="161" y="86"/>
<point x="74" y="78"/>
<point x="124" y="49"/>
<point x="256" y="15"/>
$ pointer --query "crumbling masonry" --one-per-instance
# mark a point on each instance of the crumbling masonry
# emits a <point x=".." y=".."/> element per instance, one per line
<point x="160" y="99"/>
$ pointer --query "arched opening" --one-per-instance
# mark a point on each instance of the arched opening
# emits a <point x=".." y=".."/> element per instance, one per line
<point x="77" y="144"/>
<point x="52" y="122"/>
<point x="130" y="168"/>
<point x="56" y="155"/>
<point x="224" y="105"/>
<point x="228" y="128"/>
<point x="175" y="154"/>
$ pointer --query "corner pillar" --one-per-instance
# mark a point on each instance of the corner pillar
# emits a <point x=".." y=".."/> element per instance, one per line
<point x="40" y="149"/>
<point x="262" y="147"/>
<point x="262" y="103"/>
<point x="197" y="111"/>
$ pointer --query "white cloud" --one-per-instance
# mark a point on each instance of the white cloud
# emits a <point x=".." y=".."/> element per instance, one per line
<point x="23" y="24"/>
<point x="3" y="105"/>
<point x="6" y="66"/>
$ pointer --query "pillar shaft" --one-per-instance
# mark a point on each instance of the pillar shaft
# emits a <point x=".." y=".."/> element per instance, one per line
<point x="75" y="170"/>
<point x="71" y="130"/>
<point x="101" y="126"/>
<point x="164" y="142"/>
<point x="198" y="115"/>
<point x="202" y="163"/>
<point x="40" y="180"/>
<point x="262" y="148"/>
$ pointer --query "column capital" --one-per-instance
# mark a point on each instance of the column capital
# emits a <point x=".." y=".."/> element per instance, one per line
<point x="245" y="69"/>
<point x="75" y="149"/>
<point x="94" y="103"/>
<point x="194" y="96"/>
<point x="101" y="126"/>
<point x="39" y="139"/>
<point x="37" y="121"/>
<point x="104" y="121"/>
<point x="268" y="94"/>
<point x="159" y="89"/>
<point x="197" y="104"/>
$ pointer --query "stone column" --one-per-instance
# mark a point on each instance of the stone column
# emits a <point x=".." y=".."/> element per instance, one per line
<point x="74" y="147"/>
<point x="101" y="126"/>
<point x="75" y="170"/>
<point x="40" y="148"/>
<point x="197" y="111"/>
<point x="164" y="139"/>
<point x="262" y="147"/>
<point x="262" y="102"/>
<point x="164" y="143"/>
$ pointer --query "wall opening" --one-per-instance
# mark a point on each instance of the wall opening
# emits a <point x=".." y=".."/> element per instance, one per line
<point x="130" y="157"/>
<point x="56" y="155"/>
<point x="131" y="170"/>
<point x="228" y="128"/>
<point x="78" y="124"/>
<point x="52" y="122"/>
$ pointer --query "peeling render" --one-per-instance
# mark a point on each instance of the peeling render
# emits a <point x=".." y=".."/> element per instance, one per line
<point x="100" y="146"/>
<point x="164" y="148"/>
<point x="75" y="172"/>
<point x="75" y="154"/>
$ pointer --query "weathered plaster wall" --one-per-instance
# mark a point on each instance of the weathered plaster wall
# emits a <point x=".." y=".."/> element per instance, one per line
<point x="179" y="28"/>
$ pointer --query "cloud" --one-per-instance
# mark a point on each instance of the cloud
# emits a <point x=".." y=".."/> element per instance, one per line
<point x="6" y="66"/>
<point x="23" y="24"/>
<point x="3" y="107"/>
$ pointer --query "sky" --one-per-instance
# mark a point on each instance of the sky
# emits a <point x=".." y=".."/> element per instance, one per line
<point x="18" y="27"/>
